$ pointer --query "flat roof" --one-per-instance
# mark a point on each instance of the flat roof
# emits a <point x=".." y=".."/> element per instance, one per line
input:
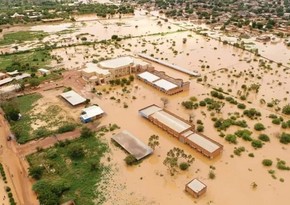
<point x="22" y="76"/>
<point x="165" y="84"/>
<point x="43" y="70"/>
<point x="116" y="62"/>
<point x="171" y="121"/>
<point x="148" y="76"/>
<point x="132" y="144"/>
<point x="93" y="68"/>
<point x="91" y="111"/>
<point x="73" y="98"/>
<point x="196" y="185"/>
<point x="6" y="80"/>
<point x="203" y="142"/>
<point x="146" y="112"/>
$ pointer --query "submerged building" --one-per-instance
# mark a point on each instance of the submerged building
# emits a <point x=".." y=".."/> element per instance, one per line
<point x="111" y="69"/>
<point x="163" y="82"/>
<point x="196" y="188"/>
<point x="182" y="130"/>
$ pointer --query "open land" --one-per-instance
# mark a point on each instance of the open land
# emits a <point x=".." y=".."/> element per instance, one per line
<point x="259" y="82"/>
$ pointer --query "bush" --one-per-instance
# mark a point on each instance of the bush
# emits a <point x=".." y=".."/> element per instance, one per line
<point x="211" y="175"/>
<point x="245" y="134"/>
<point x="200" y="128"/>
<point x="286" y="109"/>
<point x="276" y="121"/>
<point x="257" y="144"/>
<point x="42" y="132"/>
<point x="87" y="133"/>
<point x="264" y="137"/>
<point x="75" y="151"/>
<point x="259" y="126"/>
<point x="130" y="160"/>
<point x="267" y="162"/>
<point x="202" y="103"/>
<point x="282" y="165"/>
<point x="66" y="128"/>
<point x="188" y="105"/>
<point x="241" y="106"/>
<point x="231" y="139"/>
<point x="252" y="113"/>
<point x="36" y="172"/>
<point x="285" y="138"/>
<point x="7" y="189"/>
<point x="183" y="166"/>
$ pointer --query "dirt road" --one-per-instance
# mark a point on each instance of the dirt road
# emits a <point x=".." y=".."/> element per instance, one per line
<point x="17" y="176"/>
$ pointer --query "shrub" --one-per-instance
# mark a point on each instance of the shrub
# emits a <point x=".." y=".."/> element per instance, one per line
<point x="87" y="132"/>
<point x="183" y="166"/>
<point x="281" y="164"/>
<point x="284" y="125"/>
<point x="130" y="160"/>
<point x="231" y="139"/>
<point x="257" y="144"/>
<point x="251" y="155"/>
<point x="267" y="162"/>
<point x="239" y="150"/>
<point x="211" y="175"/>
<point x="75" y="151"/>
<point x="36" y="172"/>
<point x="252" y="113"/>
<point x="259" y="126"/>
<point x="7" y="189"/>
<point x="245" y="134"/>
<point x="200" y="128"/>
<point x="188" y="105"/>
<point x="202" y="103"/>
<point x="264" y="137"/>
<point x="241" y="106"/>
<point x="286" y="109"/>
<point x="66" y="128"/>
<point x="285" y="138"/>
<point x="276" y="121"/>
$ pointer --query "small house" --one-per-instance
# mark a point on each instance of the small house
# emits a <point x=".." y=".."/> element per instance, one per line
<point x="43" y="71"/>
<point x="91" y="113"/>
<point x="196" y="188"/>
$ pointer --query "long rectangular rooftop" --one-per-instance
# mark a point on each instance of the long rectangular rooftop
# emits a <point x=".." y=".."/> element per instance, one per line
<point x="132" y="144"/>
<point x="73" y="98"/>
<point x="165" y="84"/>
<point x="203" y="142"/>
<point x="171" y="121"/>
<point x="148" y="76"/>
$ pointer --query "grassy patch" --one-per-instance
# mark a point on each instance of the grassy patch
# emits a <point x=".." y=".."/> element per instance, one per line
<point x="22" y="127"/>
<point x="81" y="175"/>
<point x="25" y="61"/>
<point x="21" y="36"/>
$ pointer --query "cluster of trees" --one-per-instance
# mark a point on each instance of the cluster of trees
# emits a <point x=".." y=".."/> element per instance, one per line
<point x="175" y="158"/>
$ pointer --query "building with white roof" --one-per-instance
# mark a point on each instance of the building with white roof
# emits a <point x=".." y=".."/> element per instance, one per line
<point x="43" y="71"/>
<point x="182" y="130"/>
<point x="111" y="69"/>
<point x="163" y="82"/>
<point x="90" y="113"/>
<point x="195" y="188"/>
<point x="73" y="98"/>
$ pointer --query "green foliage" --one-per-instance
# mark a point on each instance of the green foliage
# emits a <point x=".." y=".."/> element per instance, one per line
<point x="231" y="139"/>
<point x="189" y="105"/>
<point x="153" y="141"/>
<point x="224" y="124"/>
<point x="200" y="128"/>
<point x="244" y="134"/>
<point x="281" y="164"/>
<point x="36" y="172"/>
<point x="241" y="106"/>
<point x="173" y="157"/>
<point x="11" y="110"/>
<point x="76" y="151"/>
<point x="130" y="160"/>
<point x="264" y="138"/>
<point x="64" y="178"/>
<point x="211" y="175"/>
<point x="276" y="121"/>
<point x="42" y="132"/>
<point x="66" y="128"/>
<point x="239" y="150"/>
<point x="267" y="162"/>
<point x="252" y="113"/>
<point x="217" y="95"/>
<point x="259" y="127"/>
<point x="257" y="144"/>
<point x="87" y="133"/>
<point x="184" y="166"/>
<point x="286" y="109"/>
<point x="21" y="36"/>
<point x="285" y="138"/>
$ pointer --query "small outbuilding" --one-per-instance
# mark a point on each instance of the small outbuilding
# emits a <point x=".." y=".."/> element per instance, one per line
<point x="196" y="188"/>
<point x="73" y="98"/>
<point x="91" y="113"/>
<point x="43" y="71"/>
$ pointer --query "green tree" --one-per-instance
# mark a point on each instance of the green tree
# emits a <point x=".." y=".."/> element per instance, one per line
<point x="153" y="141"/>
<point x="286" y="109"/>
<point x="36" y="172"/>
<point x="259" y="126"/>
